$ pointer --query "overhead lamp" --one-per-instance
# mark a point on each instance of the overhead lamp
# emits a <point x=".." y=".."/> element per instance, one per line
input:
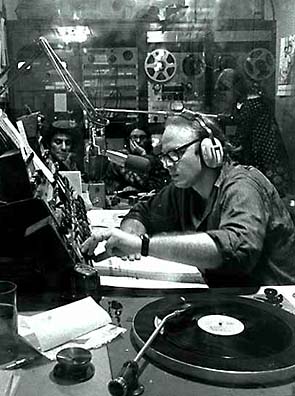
<point x="73" y="34"/>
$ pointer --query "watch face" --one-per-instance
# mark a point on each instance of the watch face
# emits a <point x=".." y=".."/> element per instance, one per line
<point x="85" y="269"/>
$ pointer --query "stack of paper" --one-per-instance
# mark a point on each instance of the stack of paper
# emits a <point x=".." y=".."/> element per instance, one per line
<point x="149" y="268"/>
<point x="83" y="322"/>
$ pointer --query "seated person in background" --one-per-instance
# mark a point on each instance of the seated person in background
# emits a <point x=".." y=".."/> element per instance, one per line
<point x="119" y="178"/>
<point x="60" y="140"/>
<point x="257" y="136"/>
<point x="224" y="218"/>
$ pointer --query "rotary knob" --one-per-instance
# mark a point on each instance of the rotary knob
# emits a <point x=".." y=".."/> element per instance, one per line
<point x="74" y="364"/>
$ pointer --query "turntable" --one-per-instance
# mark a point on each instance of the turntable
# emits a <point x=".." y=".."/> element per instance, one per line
<point x="224" y="339"/>
<point x="218" y="339"/>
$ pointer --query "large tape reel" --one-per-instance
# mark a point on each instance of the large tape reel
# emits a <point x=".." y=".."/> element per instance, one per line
<point x="259" y="64"/>
<point x="160" y="65"/>
<point x="193" y="65"/>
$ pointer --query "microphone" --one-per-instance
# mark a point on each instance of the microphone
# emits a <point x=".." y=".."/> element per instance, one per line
<point x="131" y="162"/>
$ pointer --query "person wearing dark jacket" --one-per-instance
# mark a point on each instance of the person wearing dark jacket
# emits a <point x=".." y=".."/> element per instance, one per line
<point x="258" y="138"/>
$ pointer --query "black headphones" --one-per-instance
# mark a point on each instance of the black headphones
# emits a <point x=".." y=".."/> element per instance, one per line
<point x="211" y="148"/>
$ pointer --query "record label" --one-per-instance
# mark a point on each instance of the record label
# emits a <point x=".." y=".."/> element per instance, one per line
<point x="222" y="325"/>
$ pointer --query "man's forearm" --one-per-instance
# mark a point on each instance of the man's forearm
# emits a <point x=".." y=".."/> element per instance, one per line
<point x="197" y="249"/>
<point x="133" y="226"/>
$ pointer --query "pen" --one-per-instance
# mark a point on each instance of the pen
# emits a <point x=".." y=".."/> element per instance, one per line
<point x="19" y="363"/>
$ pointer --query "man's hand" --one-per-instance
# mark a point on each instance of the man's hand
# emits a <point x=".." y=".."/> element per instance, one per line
<point x="136" y="148"/>
<point x="70" y="161"/>
<point x="118" y="243"/>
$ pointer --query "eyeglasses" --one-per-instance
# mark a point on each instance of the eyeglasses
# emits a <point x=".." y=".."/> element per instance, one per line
<point x="137" y="137"/>
<point x="173" y="156"/>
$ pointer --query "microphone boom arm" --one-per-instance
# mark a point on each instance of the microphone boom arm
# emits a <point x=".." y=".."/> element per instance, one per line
<point x="71" y="85"/>
<point x="184" y="111"/>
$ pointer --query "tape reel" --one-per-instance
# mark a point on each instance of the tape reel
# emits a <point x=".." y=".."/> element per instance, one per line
<point x="160" y="65"/>
<point x="259" y="64"/>
<point x="193" y="65"/>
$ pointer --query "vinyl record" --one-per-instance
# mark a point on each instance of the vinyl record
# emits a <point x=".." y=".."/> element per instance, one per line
<point x="222" y="339"/>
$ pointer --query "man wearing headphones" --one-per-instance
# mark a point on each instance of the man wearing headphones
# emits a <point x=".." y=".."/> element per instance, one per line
<point x="226" y="219"/>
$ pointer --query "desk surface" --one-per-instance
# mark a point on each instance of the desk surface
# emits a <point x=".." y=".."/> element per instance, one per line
<point x="38" y="381"/>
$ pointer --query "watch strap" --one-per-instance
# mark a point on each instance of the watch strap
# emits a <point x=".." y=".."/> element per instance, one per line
<point x="145" y="242"/>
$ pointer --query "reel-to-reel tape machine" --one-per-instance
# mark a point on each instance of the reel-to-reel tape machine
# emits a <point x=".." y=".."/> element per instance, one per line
<point x="183" y="65"/>
<point x="174" y="77"/>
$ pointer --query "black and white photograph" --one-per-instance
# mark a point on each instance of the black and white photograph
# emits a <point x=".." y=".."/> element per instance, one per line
<point x="147" y="197"/>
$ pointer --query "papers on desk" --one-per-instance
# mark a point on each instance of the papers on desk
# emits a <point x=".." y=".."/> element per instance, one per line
<point x="106" y="218"/>
<point x="83" y="321"/>
<point x="93" y="340"/>
<point x="148" y="284"/>
<point x="149" y="268"/>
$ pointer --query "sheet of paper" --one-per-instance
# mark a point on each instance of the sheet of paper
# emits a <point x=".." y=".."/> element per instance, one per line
<point x="106" y="218"/>
<point x="60" y="102"/>
<point x="126" y="282"/>
<point x="75" y="180"/>
<point x="93" y="340"/>
<point x="60" y="325"/>
<point x="149" y="268"/>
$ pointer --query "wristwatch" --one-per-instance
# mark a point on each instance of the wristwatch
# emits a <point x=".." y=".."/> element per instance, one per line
<point x="145" y="241"/>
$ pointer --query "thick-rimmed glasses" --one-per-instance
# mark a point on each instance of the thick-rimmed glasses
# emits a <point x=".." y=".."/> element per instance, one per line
<point x="175" y="155"/>
<point x="137" y="137"/>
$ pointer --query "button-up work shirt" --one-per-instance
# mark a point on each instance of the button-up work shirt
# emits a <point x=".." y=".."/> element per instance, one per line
<point x="245" y="217"/>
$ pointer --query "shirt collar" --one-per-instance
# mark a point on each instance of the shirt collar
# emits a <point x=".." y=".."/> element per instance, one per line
<point x="223" y="172"/>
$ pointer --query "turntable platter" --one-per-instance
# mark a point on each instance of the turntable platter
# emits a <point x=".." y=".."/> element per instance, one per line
<point x="224" y="339"/>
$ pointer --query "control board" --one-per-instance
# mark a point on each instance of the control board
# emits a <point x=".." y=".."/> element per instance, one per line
<point x="110" y="76"/>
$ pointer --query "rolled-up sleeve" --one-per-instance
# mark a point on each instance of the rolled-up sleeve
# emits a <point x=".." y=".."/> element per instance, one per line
<point x="243" y="220"/>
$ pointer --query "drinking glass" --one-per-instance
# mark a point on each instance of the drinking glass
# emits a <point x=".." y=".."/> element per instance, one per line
<point x="8" y="322"/>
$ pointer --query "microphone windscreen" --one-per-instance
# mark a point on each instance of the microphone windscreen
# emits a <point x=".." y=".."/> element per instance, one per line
<point x="137" y="164"/>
